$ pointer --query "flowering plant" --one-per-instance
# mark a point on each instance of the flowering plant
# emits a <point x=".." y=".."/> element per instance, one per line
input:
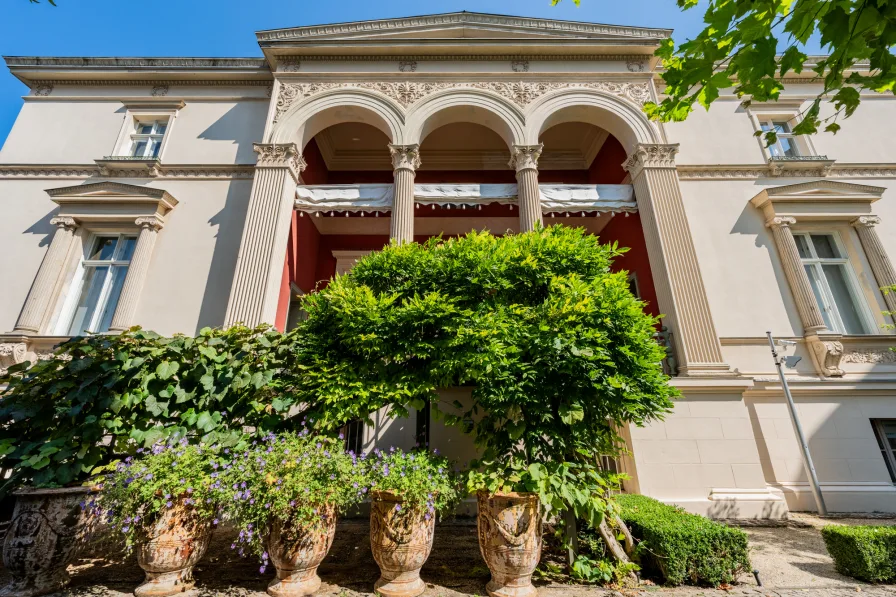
<point x="138" y="491"/>
<point x="296" y="479"/>
<point x="422" y="479"/>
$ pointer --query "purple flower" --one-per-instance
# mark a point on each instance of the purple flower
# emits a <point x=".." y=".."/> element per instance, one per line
<point x="262" y="569"/>
<point x="169" y="503"/>
<point x="398" y="507"/>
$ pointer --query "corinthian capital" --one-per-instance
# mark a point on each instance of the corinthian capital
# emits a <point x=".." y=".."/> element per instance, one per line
<point x="405" y="157"/>
<point x="66" y="222"/>
<point x="866" y="221"/>
<point x="280" y="155"/>
<point x="650" y="155"/>
<point x="781" y="222"/>
<point x="525" y="157"/>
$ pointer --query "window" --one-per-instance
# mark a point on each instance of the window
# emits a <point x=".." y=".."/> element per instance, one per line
<point x="354" y="436"/>
<point x="786" y="145"/>
<point x="424" y="416"/>
<point x="102" y="275"/>
<point x="146" y="141"/>
<point x="885" y="431"/>
<point x="833" y="283"/>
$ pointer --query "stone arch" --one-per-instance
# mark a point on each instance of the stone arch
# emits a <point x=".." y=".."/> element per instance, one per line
<point x="466" y="105"/>
<point x="619" y="117"/>
<point x="309" y="117"/>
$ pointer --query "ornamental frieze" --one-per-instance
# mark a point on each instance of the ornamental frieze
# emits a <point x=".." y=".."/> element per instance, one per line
<point x="408" y="93"/>
<point x="870" y="356"/>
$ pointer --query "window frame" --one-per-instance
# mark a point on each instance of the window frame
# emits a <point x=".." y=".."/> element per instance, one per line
<point x="73" y="293"/>
<point x="888" y="453"/>
<point x="133" y="116"/>
<point x="853" y="287"/>
<point x="137" y="137"/>
<point x="783" y="110"/>
<point x="772" y="123"/>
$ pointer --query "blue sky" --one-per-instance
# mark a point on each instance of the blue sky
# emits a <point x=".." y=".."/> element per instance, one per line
<point x="226" y="27"/>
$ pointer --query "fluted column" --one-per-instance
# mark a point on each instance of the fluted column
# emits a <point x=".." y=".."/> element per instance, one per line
<point x="405" y="161"/>
<point x="673" y="260"/>
<point x="42" y="290"/>
<point x="133" y="282"/>
<point x="255" y="291"/>
<point x="806" y="305"/>
<point x="525" y="159"/>
<point x="881" y="266"/>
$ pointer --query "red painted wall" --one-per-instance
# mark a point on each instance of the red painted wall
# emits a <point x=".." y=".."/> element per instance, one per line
<point x="607" y="165"/>
<point x="326" y="263"/>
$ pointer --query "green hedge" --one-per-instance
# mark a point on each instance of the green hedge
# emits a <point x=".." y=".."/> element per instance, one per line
<point x="864" y="552"/>
<point x="683" y="547"/>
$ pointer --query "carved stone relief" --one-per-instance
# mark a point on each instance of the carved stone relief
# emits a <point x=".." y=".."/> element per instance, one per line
<point x="407" y="93"/>
<point x="407" y="66"/>
<point x="870" y="356"/>
<point x="519" y="66"/>
<point x="11" y="353"/>
<point x="827" y="352"/>
<point x="43" y="89"/>
<point x="159" y="91"/>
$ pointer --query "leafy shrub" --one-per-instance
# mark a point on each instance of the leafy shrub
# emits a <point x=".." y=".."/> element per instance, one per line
<point x="864" y="552"/>
<point x="424" y="480"/>
<point x="169" y="475"/>
<point x="100" y="397"/>
<point x="294" y="479"/>
<point x="555" y="346"/>
<point x="684" y="547"/>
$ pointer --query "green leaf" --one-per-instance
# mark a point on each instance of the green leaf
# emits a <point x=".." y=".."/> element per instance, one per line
<point x="166" y="369"/>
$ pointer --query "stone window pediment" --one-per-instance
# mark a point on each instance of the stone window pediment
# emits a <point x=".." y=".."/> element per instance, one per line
<point x="818" y="200"/>
<point x="112" y="202"/>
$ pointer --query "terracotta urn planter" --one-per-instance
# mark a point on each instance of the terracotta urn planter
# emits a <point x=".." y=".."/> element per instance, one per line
<point x="297" y="557"/>
<point x="401" y="540"/>
<point x="509" y="527"/>
<point x="177" y="542"/>
<point x="43" y="537"/>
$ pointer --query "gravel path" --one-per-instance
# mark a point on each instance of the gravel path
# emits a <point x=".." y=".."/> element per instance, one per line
<point x="791" y="559"/>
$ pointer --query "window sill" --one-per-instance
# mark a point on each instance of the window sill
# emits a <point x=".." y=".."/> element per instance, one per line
<point x="128" y="165"/>
<point x="802" y="165"/>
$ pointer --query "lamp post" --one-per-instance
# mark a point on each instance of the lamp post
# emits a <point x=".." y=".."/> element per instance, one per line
<point x="797" y="427"/>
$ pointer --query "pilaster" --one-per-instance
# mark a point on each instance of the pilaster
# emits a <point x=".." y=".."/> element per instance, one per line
<point x="34" y="312"/>
<point x="136" y="276"/>
<point x="524" y="158"/>
<point x="256" y="283"/>
<point x="881" y="266"/>
<point x="405" y="161"/>
<point x="673" y="260"/>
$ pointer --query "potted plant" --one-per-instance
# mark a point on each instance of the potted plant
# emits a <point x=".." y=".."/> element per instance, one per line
<point x="284" y="495"/>
<point x="165" y="504"/>
<point x="509" y="524"/>
<point x="407" y="491"/>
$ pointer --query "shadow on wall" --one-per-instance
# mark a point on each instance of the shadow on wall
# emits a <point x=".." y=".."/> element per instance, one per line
<point x="751" y="223"/>
<point x="229" y="222"/>
<point x="731" y="509"/>
<point x="43" y="227"/>
<point x="238" y="124"/>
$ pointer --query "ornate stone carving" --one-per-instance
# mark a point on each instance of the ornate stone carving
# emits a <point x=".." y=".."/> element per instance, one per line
<point x="635" y="66"/>
<point x="43" y="89"/>
<point x="525" y="157"/>
<point x="407" y="93"/>
<point x="67" y="222"/>
<point x="870" y="356"/>
<point x="405" y="157"/>
<point x="650" y="155"/>
<point x="779" y="221"/>
<point x="827" y="352"/>
<point x="519" y="66"/>
<point x="866" y="221"/>
<point x="159" y="91"/>
<point x="290" y="92"/>
<point x="149" y="222"/>
<point x="719" y="172"/>
<point x="11" y="353"/>
<point x="407" y="66"/>
<point x="50" y="171"/>
<point x="289" y="64"/>
<point x="279" y="155"/>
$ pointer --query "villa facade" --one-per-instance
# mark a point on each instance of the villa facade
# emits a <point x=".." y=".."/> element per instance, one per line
<point x="180" y="193"/>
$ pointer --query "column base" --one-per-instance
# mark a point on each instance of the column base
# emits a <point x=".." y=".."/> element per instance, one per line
<point x="707" y="370"/>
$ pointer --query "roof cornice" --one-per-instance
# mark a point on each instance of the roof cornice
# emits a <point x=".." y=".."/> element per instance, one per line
<point x="115" y="63"/>
<point x="535" y="25"/>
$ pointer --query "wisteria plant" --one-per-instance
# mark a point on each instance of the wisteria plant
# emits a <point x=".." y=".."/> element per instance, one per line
<point x="297" y="479"/>
<point x="424" y="480"/>
<point x="138" y="491"/>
